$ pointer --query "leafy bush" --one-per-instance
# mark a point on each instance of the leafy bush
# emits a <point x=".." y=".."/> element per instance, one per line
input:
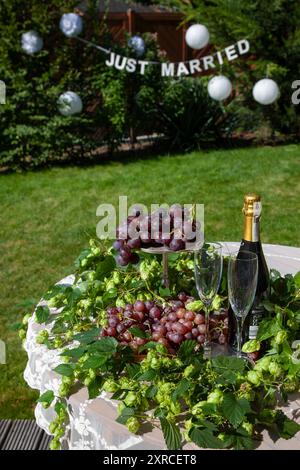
<point x="188" y="115"/>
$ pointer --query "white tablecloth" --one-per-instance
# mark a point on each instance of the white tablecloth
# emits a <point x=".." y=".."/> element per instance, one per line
<point x="92" y="422"/>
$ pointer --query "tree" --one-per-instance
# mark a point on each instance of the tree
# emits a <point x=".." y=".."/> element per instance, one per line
<point x="273" y="29"/>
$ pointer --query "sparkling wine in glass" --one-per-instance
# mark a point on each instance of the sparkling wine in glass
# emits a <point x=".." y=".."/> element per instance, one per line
<point x="208" y="263"/>
<point x="242" y="283"/>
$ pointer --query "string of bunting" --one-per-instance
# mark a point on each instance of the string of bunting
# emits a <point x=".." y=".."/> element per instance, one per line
<point x="265" y="91"/>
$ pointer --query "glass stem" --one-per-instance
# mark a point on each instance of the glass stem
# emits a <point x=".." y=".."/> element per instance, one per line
<point x="239" y="331"/>
<point x="206" y="346"/>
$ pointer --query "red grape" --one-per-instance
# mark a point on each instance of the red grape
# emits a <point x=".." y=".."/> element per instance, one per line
<point x="111" y="331"/>
<point x="134" y="243"/>
<point x="188" y="324"/>
<point x="202" y="328"/>
<point x="182" y="296"/>
<point x="140" y="306"/>
<point x="188" y="335"/>
<point x="201" y="339"/>
<point x="113" y="321"/>
<point x="189" y="315"/>
<point x="149" y="304"/>
<point x="180" y="313"/>
<point x="172" y="316"/>
<point x="195" y="332"/>
<point x="155" y="312"/>
<point x="199" y="319"/>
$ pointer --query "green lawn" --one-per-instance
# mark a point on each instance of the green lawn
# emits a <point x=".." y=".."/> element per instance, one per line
<point x="48" y="216"/>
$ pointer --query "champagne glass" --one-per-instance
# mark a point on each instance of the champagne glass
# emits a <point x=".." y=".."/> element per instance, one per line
<point x="208" y="263"/>
<point x="242" y="282"/>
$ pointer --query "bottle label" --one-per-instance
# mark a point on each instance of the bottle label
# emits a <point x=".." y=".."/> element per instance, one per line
<point x="253" y="329"/>
<point x="257" y="209"/>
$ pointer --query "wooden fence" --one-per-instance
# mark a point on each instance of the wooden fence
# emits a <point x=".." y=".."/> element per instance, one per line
<point x="165" y="25"/>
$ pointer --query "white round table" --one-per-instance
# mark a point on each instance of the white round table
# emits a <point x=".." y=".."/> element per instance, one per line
<point x="92" y="422"/>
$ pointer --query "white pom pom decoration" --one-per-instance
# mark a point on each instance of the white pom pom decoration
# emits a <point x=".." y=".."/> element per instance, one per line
<point x="69" y="103"/>
<point x="32" y="42"/>
<point x="71" y="24"/>
<point x="138" y="45"/>
<point x="266" y="91"/>
<point x="219" y="88"/>
<point x="197" y="36"/>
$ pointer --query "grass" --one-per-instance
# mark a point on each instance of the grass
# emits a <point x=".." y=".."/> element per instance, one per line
<point x="48" y="216"/>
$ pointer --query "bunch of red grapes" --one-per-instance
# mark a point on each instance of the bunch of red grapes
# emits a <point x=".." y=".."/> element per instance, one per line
<point x="173" y="229"/>
<point x="169" y="325"/>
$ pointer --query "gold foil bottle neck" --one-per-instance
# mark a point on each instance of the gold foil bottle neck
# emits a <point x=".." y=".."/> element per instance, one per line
<point x="252" y="205"/>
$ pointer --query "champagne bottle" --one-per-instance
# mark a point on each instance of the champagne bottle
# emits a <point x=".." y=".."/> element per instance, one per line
<point x="251" y="242"/>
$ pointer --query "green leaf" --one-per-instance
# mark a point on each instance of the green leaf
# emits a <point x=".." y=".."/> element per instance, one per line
<point x="72" y="294"/>
<point x="235" y="409"/>
<point x="181" y="388"/>
<point x="96" y="361"/>
<point x="47" y="397"/>
<point x="133" y="370"/>
<point x="105" y="267"/>
<point x="297" y="280"/>
<point x="205" y="438"/>
<point x="148" y="375"/>
<point x="95" y="387"/>
<point x="42" y="313"/>
<point x="150" y="345"/>
<point x="125" y="415"/>
<point x="287" y="428"/>
<point x="64" y="369"/>
<point x="76" y="353"/>
<point x="88" y="336"/>
<point x="138" y="333"/>
<point x="221" y="363"/>
<point x="164" y="291"/>
<point x="227" y="368"/>
<point x="187" y="348"/>
<point x="60" y="406"/>
<point x="267" y="329"/>
<point x="171" y="434"/>
<point x="106" y="345"/>
<point x="151" y="392"/>
<point x="239" y="440"/>
<point x="81" y="256"/>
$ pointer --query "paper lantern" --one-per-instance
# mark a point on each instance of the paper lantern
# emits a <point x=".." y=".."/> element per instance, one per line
<point x="265" y="91"/>
<point x="219" y="88"/>
<point x="71" y="24"/>
<point x="137" y="44"/>
<point x="197" y="36"/>
<point x="32" y="42"/>
<point x="69" y="103"/>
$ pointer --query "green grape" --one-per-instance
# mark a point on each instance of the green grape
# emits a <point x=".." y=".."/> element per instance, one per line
<point x="133" y="425"/>
<point x="22" y="334"/>
<point x="215" y="397"/>
<point x="110" y="386"/>
<point x="189" y="370"/>
<point x="254" y="377"/>
<point x="54" y="444"/>
<point x="248" y="427"/>
<point x="26" y="318"/>
<point x="132" y="399"/>
<point x="275" y="369"/>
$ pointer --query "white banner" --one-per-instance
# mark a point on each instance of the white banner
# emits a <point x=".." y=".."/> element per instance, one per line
<point x="178" y="69"/>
